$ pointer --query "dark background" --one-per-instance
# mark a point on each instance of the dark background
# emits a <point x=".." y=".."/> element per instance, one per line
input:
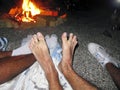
<point x="5" y="5"/>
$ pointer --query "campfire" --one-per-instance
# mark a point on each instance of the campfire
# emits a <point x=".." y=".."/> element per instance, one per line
<point x="31" y="14"/>
<point x="29" y="10"/>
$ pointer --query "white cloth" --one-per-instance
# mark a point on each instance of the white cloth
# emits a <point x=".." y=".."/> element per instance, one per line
<point x="24" y="49"/>
<point x="33" y="78"/>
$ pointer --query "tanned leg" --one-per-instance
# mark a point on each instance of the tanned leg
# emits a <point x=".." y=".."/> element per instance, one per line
<point x="115" y="73"/>
<point x="14" y="65"/>
<point x="5" y="54"/>
<point x="39" y="48"/>
<point x="76" y="81"/>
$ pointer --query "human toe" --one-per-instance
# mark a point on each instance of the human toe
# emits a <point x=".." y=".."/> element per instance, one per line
<point x="64" y="37"/>
<point x="70" y="36"/>
<point x="40" y="36"/>
<point x="34" y="38"/>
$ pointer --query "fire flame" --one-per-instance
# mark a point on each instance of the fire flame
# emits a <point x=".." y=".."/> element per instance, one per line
<point x="29" y="10"/>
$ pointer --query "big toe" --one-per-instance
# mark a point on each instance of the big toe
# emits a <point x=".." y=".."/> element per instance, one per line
<point x="40" y="36"/>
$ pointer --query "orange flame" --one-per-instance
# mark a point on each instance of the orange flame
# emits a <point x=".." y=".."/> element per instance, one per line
<point x="29" y="10"/>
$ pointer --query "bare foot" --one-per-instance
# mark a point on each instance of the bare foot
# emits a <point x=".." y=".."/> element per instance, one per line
<point x="68" y="50"/>
<point x="39" y="48"/>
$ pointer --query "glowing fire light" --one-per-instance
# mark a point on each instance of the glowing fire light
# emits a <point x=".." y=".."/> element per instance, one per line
<point x="29" y="10"/>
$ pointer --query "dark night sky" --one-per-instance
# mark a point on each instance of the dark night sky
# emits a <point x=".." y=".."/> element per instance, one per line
<point x="5" y="5"/>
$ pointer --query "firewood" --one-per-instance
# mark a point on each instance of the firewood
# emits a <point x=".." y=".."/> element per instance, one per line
<point x="41" y="21"/>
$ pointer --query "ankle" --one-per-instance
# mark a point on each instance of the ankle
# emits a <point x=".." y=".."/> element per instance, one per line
<point x="50" y="69"/>
<point x="51" y="75"/>
<point x="66" y="68"/>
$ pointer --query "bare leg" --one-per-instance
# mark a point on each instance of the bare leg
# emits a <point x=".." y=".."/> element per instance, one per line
<point x="115" y="73"/>
<point x="5" y="54"/>
<point x="12" y="66"/>
<point x="39" y="48"/>
<point x="76" y="81"/>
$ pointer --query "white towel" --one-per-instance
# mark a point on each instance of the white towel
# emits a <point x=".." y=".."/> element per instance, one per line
<point x="33" y="78"/>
